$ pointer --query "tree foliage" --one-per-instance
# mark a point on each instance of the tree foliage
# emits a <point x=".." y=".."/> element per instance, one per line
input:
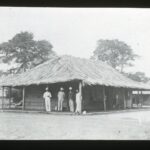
<point x="4" y="73"/>
<point x="138" y="76"/>
<point x="23" y="50"/>
<point x="116" y="53"/>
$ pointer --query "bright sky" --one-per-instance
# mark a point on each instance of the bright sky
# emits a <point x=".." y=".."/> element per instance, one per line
<point x="75" y="31"/>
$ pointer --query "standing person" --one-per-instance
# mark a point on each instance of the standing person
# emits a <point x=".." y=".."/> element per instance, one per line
<point x="47" y="96"/>
<point x="61" y="97"/>
<point x="117" y="102"/>
<point x="78" y="102"/>
<point x="71" y="103"/>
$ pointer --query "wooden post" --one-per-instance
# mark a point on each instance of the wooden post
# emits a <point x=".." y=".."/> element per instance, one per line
<point x="131" y="99"/>
<point x="141" y="99"/>
<point x="104" y="98"/>
<point x="9" y="96"/>
<point x="23" y="98"/>
<point x="80" y="91"/>
<point x="127" y="100"/>
<point x="138" y="99"/>
<point x="124" y="99"/>
<point x="3" y="97"/>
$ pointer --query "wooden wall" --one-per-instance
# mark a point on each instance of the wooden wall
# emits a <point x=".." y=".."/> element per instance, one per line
<point x="129" y="99"/>
<point x="93" y="98"/>
<point x="34" y="98"/>
<point x="34" y="95"/>
<point x="146" y="99"/>
<point x="125" y="97"/>
<point x="110" y="97"/>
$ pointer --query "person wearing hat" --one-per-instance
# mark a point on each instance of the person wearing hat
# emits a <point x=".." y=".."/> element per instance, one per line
<point x="78" y="102"/>
<point x="70" y="97"/>
<point x="61" y="97"/>
<point x="47" y="96"/>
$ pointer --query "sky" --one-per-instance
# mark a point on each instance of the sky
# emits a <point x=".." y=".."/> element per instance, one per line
<point x="75" y="31"/>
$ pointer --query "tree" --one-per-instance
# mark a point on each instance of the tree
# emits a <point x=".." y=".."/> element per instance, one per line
<point x="3" y="73"/>
<point x="116" y="53"/>
<point x="23" y="50"/>
<point x="138" y="76"/>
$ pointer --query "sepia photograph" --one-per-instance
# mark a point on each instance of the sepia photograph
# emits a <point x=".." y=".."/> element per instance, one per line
<point x="74" y="73"/>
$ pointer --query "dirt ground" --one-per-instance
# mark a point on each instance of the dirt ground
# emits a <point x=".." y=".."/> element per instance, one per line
<point x="120" y="125"/>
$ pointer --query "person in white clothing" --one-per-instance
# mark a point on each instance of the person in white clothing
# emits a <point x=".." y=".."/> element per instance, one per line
<point x="70" y="97"/>
<point x="47" y="96"/>
<point x="78" y="102"/>
<point x="61" y="97"/>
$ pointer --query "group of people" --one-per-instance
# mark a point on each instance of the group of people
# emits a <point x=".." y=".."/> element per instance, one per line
<point x="73" y="106"/>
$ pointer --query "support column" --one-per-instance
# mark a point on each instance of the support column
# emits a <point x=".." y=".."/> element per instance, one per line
<point x="23" y="98"/>
<point x="138" y="98"/>
<point x="124" y="99"/>
<point x="3" y="97"/>
<point x="104" y="98"/>
<point x="131" y="99"/>
<point x="127" y="100"/>
<point x="141" y="99"/>
<point x="9" y="96"/>
<point x="80" y="91"/>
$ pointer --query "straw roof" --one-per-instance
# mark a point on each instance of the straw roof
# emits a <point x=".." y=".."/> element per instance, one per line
<point x="67" y="68"/>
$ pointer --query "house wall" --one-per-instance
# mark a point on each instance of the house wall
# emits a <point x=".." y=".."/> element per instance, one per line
<point x="34" y="95"/>
<point x="93" y="98"/>
<point x="33" y="98"/>
<point x="129" y="100"/>
<point x="124" y="98"/>
<point x="146" y="99"/>
<point x="110" y="93"/>
<point x="6" y="98"/>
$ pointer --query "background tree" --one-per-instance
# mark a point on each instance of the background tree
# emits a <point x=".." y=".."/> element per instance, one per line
<point x="1" y="73"/>
<point x="138" y="76"/>
<point x="23" y="50"/>
<point x="4" y="73"/>
<point x="116" y="53"/>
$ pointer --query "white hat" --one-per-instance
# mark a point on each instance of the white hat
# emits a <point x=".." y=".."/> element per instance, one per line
<point x="61" y="88"/>
<point x="70" y="88"/>
<point x="46" y="88"/>
<point x="84" y="112"/>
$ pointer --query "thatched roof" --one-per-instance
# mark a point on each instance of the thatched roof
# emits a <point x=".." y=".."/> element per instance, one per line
<point x="68" y="68"/>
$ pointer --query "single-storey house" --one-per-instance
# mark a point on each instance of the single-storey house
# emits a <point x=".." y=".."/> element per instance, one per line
<point x="101" y="86"/>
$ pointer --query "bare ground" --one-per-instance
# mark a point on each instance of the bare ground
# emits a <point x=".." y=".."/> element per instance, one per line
<point x="122" y="126"/>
